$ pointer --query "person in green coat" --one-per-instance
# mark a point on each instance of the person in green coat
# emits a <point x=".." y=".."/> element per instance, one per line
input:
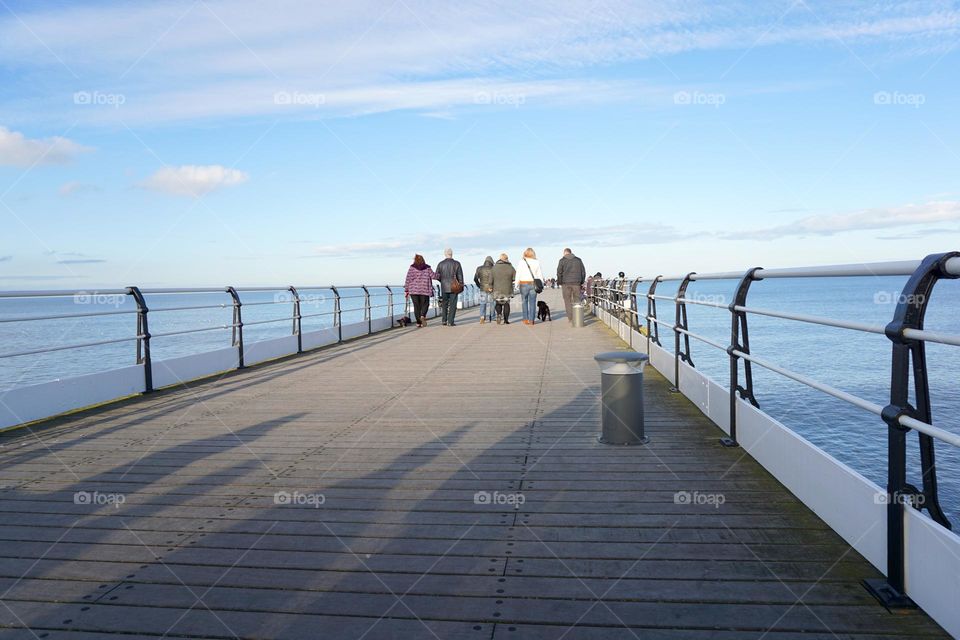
<point x="484" y="281"/>
<point x="504" y="275"/>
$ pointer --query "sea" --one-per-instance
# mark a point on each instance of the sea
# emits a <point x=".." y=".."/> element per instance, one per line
<point x="856" y="362"/>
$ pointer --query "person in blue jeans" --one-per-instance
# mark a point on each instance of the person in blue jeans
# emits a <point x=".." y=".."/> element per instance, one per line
<point x="528" y="272"/>
<point x="484" y="281"/>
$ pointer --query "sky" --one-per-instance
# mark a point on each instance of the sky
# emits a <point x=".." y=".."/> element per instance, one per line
<point x="228" y="142"/>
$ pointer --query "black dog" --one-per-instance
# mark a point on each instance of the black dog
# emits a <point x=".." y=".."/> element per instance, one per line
<point x="404" y="322"/>
<point x="543" y="311"/>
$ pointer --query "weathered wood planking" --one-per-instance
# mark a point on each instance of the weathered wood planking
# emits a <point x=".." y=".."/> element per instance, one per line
<point x="398" y="433"/>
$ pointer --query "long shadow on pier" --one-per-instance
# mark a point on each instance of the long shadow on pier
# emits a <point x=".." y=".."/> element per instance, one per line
<point x="454" y="520"/>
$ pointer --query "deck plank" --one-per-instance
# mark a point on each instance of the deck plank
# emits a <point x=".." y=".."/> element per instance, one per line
<point x="398" y="432"/>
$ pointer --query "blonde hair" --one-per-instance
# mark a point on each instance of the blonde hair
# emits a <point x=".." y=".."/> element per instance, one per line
<point x="530" y="253"/>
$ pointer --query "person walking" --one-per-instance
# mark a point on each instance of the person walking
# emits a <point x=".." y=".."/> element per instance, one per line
<point x="503" y="276"/>
<point x="528" y="274"/>
<point x="450" y="274"/>
<point x="419" y="288"/>
<point x="483" y="278"/>
<point x="570" y="275"/>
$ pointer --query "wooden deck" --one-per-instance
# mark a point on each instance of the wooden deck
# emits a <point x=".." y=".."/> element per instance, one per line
<point x="397" y="434"/>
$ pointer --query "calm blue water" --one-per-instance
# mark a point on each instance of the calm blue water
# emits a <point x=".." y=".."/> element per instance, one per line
<point x="855" y="362"/>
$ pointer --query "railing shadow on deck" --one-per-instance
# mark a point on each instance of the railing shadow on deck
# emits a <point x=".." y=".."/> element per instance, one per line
<point x="212" y="568"/>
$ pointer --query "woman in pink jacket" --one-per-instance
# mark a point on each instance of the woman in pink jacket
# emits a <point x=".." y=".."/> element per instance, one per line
<point x="419" y="288"/>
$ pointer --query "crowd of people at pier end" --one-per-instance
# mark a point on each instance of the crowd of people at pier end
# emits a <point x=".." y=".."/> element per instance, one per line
<point x="498" y="282"/>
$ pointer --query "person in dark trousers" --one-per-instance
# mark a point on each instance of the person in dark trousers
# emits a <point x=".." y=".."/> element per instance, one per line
<point x="503" y="276"/>
<point x="448" y="272"/>
<point x="570" y="276"/>
<point x="483" y="278"/>
<point x="419" y="288"/>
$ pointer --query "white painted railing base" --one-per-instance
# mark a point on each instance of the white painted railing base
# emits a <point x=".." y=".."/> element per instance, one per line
<point x="849" y="503"/>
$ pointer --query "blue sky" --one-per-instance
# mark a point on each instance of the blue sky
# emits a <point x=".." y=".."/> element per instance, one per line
<point x="215" y="142"/>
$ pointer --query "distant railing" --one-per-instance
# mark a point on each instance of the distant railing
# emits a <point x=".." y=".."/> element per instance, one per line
<point x="906" y="331"/>
<point x="292" y="296"/>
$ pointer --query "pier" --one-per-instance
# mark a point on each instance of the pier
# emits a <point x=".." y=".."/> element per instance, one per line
<point x="415" y="483"/>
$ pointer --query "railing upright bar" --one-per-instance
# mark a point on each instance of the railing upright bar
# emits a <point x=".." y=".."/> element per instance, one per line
<point x="739" y="342"/>
<point x="337" y="316"/>
<point x="909" y="356"/>
<point x="297" y="319"/>
<point x="237" y="333"/>
<point x="390" y="303"/>
<point x="143" y="339"/>
<point x="680" y="323"/>
<point x="367" y="312"/>
<point x="653" y="331"/>
<point x="635" y="305"/>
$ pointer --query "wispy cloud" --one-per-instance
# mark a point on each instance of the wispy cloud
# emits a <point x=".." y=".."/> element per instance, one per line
<point x="510" y="239"/>
<point x="81" y="261"/>
<point x="183" y="60"/>
<point x="37" y="278"/>
<point x="17" y="150"/>
<point x="75" y="188"/>
<point x="6" y="258"/>
<point x="866" y="219"/>
<point x="193" y="180"/>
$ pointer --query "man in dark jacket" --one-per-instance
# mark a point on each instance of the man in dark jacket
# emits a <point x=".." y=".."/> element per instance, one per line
<point x="448" y="271"/>
<point x="504" y="275"/>
<point x="483" y="278"/>
<point x="570" y="275"/>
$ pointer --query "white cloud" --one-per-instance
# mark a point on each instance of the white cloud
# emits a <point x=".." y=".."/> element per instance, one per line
<point x="194" y="180"/>
<point x="17" y="150"/>
<point x="866" y="219"/>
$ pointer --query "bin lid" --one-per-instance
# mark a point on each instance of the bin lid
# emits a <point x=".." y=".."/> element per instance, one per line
<point x="624" y="357"/>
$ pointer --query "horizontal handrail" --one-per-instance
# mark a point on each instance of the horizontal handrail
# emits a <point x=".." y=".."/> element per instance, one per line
<point x="702" y="339"/>
<point x="224" y="305"/>
<point x="68" y="316"/>
<point x="810" y="319"/>
<point x="810" y="382"/>
<point x="183" y="332"/>
<point x="932" y="336"/>
<point x="64" y="347"/>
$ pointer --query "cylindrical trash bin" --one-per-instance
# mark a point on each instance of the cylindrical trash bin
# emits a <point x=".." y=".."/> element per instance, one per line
<point x="621" y="383"/>
<point x="578" y="315"/>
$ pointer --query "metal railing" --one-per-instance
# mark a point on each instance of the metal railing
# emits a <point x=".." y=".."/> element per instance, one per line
<point x="292" y="296"/>
<point x="905" y="331"/>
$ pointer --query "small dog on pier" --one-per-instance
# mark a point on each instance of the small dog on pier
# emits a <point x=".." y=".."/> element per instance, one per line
<point x="543" y="311"/>
<point x="404" y="322"/>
